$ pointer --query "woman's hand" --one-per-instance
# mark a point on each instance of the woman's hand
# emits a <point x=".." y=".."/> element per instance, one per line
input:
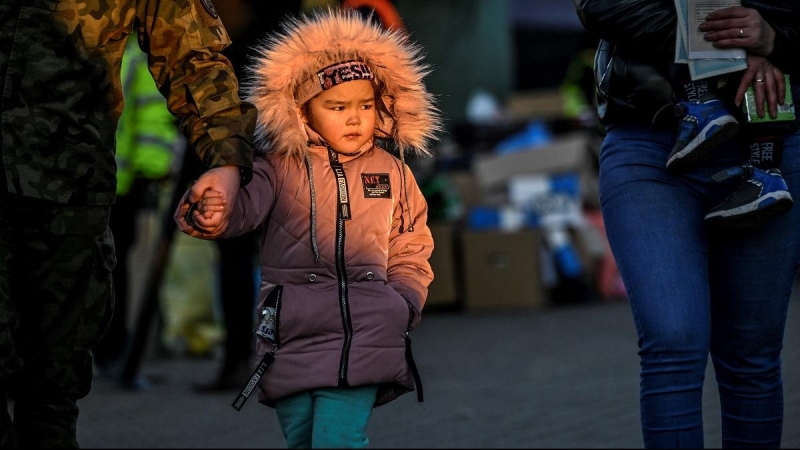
<point x="767" y="81"/>
<point x="739" y="27"/>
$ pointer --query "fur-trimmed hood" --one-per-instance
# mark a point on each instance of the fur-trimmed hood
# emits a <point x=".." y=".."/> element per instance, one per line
<point x="308" y="43"/>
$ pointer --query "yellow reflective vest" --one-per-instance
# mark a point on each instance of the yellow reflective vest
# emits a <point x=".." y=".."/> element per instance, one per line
<point x="147" y="135"/>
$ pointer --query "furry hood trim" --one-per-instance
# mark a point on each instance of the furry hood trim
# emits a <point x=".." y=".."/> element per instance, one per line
<point x="286" y="61"/>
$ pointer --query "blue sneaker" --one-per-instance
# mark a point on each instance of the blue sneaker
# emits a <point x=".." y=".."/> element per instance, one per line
<point x="704" y="127"/>
<point x="760" y="196"/>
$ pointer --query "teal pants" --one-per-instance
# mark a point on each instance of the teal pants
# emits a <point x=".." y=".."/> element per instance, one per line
<point x="327" y="418"/>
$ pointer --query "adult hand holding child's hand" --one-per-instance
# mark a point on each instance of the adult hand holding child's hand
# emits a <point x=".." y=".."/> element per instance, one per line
<point x="201" y="212"/>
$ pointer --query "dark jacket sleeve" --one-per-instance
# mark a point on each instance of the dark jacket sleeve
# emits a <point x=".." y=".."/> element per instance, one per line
<point x="784" y="17"/>
<point x="647" y="25"/>
<point x="636" y="52"/>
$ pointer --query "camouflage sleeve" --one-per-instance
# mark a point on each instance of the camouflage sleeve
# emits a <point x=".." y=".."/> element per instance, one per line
<point x="183" y="39"/>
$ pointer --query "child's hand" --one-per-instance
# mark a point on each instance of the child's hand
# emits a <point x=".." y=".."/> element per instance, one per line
<point x="212" y="208"/>
<point x="204" y="218"/>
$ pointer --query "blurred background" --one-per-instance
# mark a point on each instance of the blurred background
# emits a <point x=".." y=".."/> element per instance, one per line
<point x="527" y="339"/>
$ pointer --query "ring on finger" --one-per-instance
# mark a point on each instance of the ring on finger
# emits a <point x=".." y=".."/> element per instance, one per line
<point x="741" y="33"/>
<point x="759" y="80"/>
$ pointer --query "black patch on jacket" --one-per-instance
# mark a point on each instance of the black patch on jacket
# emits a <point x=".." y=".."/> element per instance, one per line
<point x="210" y="8"/>
<point x="376" y="185"/>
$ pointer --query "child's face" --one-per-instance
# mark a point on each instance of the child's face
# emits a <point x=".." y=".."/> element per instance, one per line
<point x="344" y="115"/>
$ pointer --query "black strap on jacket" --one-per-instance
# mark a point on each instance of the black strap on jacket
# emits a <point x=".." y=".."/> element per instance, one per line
<point x="413" y="367"/>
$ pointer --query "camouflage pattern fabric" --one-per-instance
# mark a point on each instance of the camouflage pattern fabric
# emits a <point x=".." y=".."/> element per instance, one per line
<point x="60" y="105"/>
<point x="61" y="93"/>
<point x="56" y="307"/>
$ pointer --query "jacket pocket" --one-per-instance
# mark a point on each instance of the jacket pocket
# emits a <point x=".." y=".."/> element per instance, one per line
<point x="100" y="298"/>
<point x="268" y="324"/>
<point x="413" y="317"/>
<point x="107" y="262"/>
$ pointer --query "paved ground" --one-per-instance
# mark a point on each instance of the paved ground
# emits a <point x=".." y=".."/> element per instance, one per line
<point x="559" y="378"/>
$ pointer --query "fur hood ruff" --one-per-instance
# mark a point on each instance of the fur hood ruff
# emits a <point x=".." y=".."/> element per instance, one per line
<point x="307" y="44"/>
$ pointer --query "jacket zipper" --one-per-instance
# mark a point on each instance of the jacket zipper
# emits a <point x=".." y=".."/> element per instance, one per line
<point x="342" y="214"/>
<point x="344" y="305"/>
<point x="277" y="343"/>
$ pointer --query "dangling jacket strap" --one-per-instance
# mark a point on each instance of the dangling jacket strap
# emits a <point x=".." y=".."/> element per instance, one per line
<point x="413" y="367"/>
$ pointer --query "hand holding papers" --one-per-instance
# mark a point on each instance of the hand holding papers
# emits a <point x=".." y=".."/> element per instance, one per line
<point x="699" y="48"/>
<point x="691" y="48"/>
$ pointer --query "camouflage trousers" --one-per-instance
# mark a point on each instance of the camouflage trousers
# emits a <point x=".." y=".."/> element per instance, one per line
<point x="56" y="298"/>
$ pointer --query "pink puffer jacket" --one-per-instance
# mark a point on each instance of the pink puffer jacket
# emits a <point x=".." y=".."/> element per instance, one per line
<point x="350" y="290"/>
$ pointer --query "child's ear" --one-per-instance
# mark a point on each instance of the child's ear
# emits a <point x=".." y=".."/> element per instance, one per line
<point x="301" y="112"/>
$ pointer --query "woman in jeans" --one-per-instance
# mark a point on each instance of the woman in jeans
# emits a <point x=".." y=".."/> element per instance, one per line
<point x="695" y="290"/>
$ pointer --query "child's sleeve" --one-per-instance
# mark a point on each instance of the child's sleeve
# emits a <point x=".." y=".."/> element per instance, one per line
<point x="254" y="201"/>
<point x="409" y="271"/>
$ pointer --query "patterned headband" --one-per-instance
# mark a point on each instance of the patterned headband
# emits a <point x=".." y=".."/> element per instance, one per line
<point x="331" y="76"/>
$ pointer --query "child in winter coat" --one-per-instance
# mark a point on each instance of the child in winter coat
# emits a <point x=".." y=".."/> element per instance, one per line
<point x="345" y="245"/>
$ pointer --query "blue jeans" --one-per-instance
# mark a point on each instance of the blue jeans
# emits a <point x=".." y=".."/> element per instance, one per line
<point x="327" y="418"/>
<point x="695" y="291"/>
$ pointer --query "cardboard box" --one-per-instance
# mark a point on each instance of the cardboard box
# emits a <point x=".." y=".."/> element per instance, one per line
<point x="569" y="152"/>
<point x="443" y="290"/>
<point x="538" y="103"/>
<point x="501" y="270"/>
<point x="574" y="151"/>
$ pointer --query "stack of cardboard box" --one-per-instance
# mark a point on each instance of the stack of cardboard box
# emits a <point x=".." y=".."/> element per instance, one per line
<point x="500" y="269"/>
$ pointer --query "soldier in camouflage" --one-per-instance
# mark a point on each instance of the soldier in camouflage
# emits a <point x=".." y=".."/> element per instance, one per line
<point x="61" y="101"/>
